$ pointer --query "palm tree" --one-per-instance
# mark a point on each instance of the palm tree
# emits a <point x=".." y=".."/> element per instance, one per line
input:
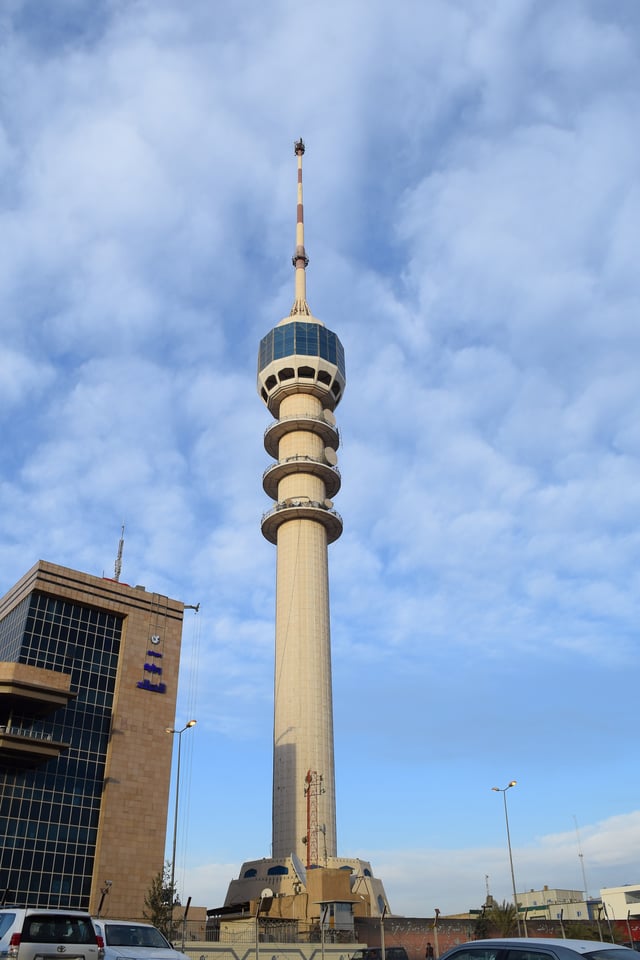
<point x="502" y="918"/>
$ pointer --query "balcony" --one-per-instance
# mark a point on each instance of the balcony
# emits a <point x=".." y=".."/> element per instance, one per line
<point x="27" y="694"/>
<point x="302" y="509"/>
<point x="320" y="425"/>
<point x="24" y="747"/>
<point x="329" y="475"/>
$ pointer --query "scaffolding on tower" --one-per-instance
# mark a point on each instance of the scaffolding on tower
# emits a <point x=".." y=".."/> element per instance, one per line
<point x="313" y="789"/>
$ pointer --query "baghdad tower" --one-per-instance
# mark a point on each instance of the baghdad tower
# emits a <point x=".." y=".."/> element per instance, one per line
<point x="301" y="380"/>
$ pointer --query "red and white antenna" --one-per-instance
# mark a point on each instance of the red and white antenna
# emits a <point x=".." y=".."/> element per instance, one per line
<point x="300" y="259"/>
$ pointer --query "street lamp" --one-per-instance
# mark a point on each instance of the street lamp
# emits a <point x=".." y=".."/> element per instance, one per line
<point x="103" y="892"/>
<point x="383" y="952"/>
<point x="190" y="723"/>
<point x="265" y="894"/>
<point x="503" y="791"/>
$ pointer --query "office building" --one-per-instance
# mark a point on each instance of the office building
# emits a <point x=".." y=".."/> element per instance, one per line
<point x="88" y="683"/>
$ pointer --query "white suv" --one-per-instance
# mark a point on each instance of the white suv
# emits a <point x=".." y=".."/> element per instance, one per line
<point x="48" y="934"/>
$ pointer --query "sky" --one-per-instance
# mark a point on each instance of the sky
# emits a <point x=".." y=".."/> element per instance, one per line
<point x="472" y="211"/>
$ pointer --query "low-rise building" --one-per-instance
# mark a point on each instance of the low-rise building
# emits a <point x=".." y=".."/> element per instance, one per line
<point x="622" y="903"/>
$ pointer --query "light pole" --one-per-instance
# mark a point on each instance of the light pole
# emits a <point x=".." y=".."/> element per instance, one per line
<point x="266" y="894"/>
<point x="383" y="952"/>
<point x="436" y="915"/>
<point x="172" y="730"/>
<point x="103" y="892"/>
<point x="323" y="920"/>
<point x="503" y="791"/>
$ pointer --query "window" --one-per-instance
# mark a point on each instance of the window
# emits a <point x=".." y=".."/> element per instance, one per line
<point x="475" y="953"/>
<point x="303" y="339"/>
<point x="56" y="928"/>
<point x="529" y="955"/>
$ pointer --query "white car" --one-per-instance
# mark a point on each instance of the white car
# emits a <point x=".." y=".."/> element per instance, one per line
<point x="537" y="948"/>
<point x="130" y="940"/>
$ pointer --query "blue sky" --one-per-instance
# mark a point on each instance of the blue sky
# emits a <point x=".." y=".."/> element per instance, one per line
<point x="472" y="203"/>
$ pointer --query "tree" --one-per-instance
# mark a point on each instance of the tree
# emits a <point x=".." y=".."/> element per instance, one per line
<point x="502" y="918"/>
<point x="158" y="900"/>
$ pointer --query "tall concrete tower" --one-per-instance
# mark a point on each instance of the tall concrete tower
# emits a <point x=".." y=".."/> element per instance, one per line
<point x="301" y="379"/>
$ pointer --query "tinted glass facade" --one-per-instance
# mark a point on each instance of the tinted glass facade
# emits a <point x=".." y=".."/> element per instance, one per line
<point x="49" y="814"/>
<point x="302" y="339"/>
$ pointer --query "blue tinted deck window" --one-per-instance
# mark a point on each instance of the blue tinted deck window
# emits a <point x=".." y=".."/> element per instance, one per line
<point x="301" y="339"/>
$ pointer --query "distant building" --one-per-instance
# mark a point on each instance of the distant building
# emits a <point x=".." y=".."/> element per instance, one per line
<point x="88" y="681"/>
<point x="622" y="903"/>
<point x="556" y="904"/>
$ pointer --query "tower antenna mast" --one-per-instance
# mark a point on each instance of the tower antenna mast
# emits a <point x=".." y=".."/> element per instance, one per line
<point x="300" y="259"/>
<point x="117" y="569"/>
<point x="581" y="858"/>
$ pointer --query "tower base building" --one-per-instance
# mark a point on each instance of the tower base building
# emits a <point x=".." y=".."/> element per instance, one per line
<point x="344" y="884"/>
<point x="88" y="683"/>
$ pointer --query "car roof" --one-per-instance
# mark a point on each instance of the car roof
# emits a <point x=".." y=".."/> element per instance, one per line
<point x="580" y="946"/>
<point x="124" y="923"/>
<point x="27" y="911"/>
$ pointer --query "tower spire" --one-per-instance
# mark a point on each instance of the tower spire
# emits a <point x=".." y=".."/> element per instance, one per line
<point x="300" y="259"/>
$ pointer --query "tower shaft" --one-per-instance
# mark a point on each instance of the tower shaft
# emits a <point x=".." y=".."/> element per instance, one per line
<point x="303" y="711"/>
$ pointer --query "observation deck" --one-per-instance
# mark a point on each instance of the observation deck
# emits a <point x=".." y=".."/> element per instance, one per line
<point x="323" y="426"/>
<point x="300" y="508"/>
<point x="300" y="357"/>
<point x="329" y="475"/>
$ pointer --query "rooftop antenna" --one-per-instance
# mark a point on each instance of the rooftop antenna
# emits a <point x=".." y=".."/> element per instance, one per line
<point x="581" y="858"/>
<point x="300" y="259"/>
<point x="117" y="570"/>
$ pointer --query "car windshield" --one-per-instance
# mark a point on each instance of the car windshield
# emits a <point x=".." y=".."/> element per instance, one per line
<point x="133" y="935"/>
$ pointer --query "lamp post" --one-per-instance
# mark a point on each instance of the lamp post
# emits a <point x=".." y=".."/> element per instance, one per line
<point x="383" y="952"/>
<point x="266" y="894"/>
<point x="323" y="920"/>
<point x="503" y="791"/>
<point x="103" y="892"/>
<point x="172" y="730"/>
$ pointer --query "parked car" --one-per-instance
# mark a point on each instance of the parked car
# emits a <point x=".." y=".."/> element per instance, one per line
<point x="375" y="953"/>
<point x="47" y="933"/>
<point x="538" y="948"/>
<point x="134" y="941"/>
